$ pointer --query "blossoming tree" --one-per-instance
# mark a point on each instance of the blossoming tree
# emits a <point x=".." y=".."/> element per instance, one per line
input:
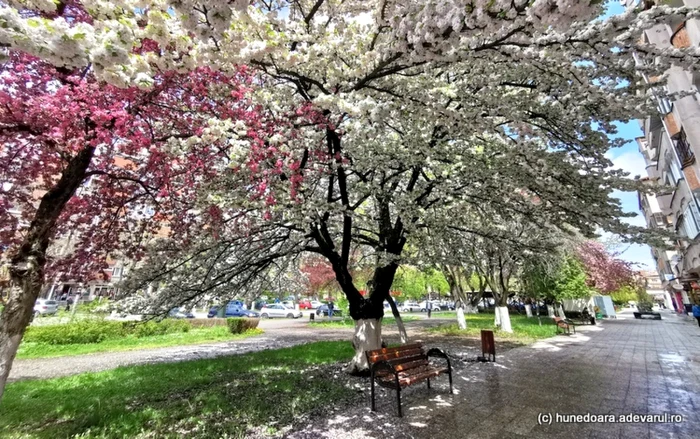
<point x="90" y="170"/>
<point x="411" y="115"/>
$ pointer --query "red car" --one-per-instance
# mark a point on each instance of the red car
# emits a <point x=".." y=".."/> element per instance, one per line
<point x="305" y="304"/>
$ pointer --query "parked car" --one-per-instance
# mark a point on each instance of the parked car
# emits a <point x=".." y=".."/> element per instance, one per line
<point x="305" y="304"/>
<point x="309" y="304"/>
<point x="274" y="310"/>
<point x="234" y="308"/>
<point x="410" y="307"/>
<point x="45" y="307"/>
<point x="323" y="311"/>
<point x="177" y="313"/>
<point x="447" y="306"/>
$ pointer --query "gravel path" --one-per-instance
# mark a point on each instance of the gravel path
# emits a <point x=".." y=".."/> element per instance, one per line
<point x="279" y="333"/>
<point x="276" y="336"/>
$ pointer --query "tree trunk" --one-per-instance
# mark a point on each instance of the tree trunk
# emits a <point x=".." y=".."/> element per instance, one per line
<point x="368" y="336"/>
<point x="15" y="319"/>
<point x="399" y="321"/>
<point x="528" y="310"/>
<point x="368" y="313"/>
<point x="497" y="316"/>
<point x="560" y="310"/>
<point x="550" y="310"/>
<point x="505" y="319"/>
<point x="461" y="321"/>
<point x="28" y="261"/>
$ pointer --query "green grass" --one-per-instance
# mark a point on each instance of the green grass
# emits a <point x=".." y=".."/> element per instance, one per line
<point x="525" y="329"/>
<point x="220" y="397"/>
<point x="131" y="342"/>
<point x="350" y="323"/>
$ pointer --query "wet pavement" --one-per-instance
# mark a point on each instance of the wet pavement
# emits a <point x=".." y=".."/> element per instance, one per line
<point x="614" y="371"/>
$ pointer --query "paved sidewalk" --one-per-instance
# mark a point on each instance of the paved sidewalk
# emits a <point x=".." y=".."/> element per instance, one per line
<point x="620" y="367"/>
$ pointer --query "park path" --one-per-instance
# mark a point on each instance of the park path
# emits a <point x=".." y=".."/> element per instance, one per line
<point x="620" y="367"/>
<point x="278" y="334"/>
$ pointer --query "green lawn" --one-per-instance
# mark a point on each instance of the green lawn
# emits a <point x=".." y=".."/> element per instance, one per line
<point x="131" y="342"/>
<point x="349" y="323"/>
<point x="220" y="397"/>
<point x="524" y="329"/>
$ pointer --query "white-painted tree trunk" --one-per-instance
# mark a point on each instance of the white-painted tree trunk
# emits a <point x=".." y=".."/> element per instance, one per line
<point x="560" y="311"/>
<point x="497" y="316"/>
<point x="470" y="309"/>
<point x="550" y="310"/>
<point x="461" y="321"/>
<point x="403" y="335"/>
<point x="368" y="336"/>
<point x="528" y="310"/>
<point x="505" y="319"/>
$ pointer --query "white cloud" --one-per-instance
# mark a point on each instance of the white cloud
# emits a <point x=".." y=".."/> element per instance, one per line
<point x="631" y="162"/>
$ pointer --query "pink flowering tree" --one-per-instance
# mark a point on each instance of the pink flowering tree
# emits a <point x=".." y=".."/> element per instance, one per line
<point x="90" y="170"/>
<point x="605" y="272"/>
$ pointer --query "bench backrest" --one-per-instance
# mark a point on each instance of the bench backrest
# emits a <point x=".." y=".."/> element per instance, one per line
<point x="557" y="319"/>
<point x="401" y="354"/>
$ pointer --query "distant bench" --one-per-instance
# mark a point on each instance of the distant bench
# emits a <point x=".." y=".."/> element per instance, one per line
<point x="640" y="314"/>
<point x="565" y="325"/>
<point x="403" y="366"/>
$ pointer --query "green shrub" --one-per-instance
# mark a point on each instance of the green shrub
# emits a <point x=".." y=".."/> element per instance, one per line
<point x="96" y="306"/>
<point x="206" y="323"/>
<point x="241" y="325"/>
<point x="78" y="332"/>
<point x="167" y="326"/>
<point x="94" y="331"/>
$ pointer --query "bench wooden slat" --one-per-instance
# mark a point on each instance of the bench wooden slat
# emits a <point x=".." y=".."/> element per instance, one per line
<point x="403" y="367"/>
<point x="395" y="351"/>
<point x="395" y="355"/>
<point x="428" y="373"/>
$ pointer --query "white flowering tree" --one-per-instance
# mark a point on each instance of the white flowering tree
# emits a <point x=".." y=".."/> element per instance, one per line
<point x="404" y="115"/>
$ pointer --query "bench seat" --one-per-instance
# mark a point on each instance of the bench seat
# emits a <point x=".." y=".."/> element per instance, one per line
<point x="404" y="366"/>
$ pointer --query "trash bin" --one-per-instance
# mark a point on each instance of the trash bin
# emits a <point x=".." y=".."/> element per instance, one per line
<point x="311" y="316"/>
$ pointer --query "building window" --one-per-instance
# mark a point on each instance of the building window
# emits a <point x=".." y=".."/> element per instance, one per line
<point x="675" y="171"/>
<point x="685" y="153"/>
<point x="691" y="219"/>
<point x="117" y="272"/>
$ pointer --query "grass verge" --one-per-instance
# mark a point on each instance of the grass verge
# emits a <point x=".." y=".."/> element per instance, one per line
<point x="222" y="397"/>
<point x="525" y="329"/>
<point x="131" y="342"/>
<point x="350" y="323"/>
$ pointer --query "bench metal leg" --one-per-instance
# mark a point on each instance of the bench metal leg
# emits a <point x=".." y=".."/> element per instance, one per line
<point x="449" y="374"/>
<point x="428" y="383"/>
<point x="373" y="407"/>
<point x="398" y="401"/>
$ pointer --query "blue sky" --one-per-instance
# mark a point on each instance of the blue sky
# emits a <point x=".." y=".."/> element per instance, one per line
<point x="629" y="159"/>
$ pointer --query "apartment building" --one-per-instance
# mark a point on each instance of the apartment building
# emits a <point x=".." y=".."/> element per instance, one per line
<point x="669" y="144"/>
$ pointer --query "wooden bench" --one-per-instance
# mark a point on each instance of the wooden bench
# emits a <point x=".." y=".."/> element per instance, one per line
<point x="564" y="325"/>
<point x="403" y="366"/>
<point x="640" y="314"/>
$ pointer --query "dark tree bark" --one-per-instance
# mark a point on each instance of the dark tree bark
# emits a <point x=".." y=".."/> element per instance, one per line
<point x="28" y="262"/>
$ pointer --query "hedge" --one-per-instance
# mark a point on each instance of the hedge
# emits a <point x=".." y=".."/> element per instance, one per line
<point x="95" y="331"/>
<point x="207" y="323"/>
<point x="241" y="325"/>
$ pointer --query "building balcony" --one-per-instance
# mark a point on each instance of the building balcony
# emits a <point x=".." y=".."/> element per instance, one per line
<point x="680" y="38"/>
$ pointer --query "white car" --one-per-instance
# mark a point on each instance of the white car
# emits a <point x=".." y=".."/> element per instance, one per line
<point x="433" y="304"/>
<point x="45" y="307"/>
<point x="410" y="307"/>
<point x="315" y="304"/>
<point x="279" y="310"/>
